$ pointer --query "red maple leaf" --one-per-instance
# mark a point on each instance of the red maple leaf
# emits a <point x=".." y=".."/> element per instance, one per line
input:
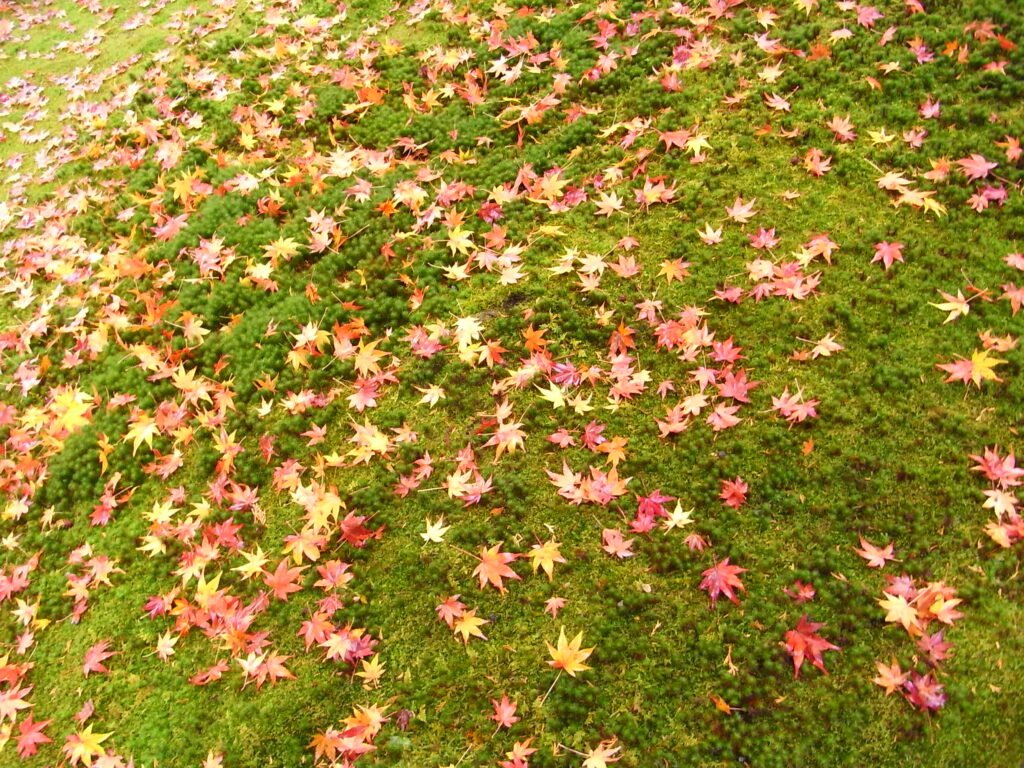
<point x="842" y="128"/>
<point x="736" y="386"/>
<point x="976" y="370"/>
<point x="451" y="609"/>
<point x="1000" y="470"/>
<point x="1014" y="295"/>
<point x="804" y="643"/>
<point x="720" y="579"/>
<point x="934" y="647"/>
<point x="355" y="533"/>
<point x="742" y="211"/>
<point x="816" y="163"/>
<point x="675" y="138"/>
<point x="282" y="580"/>
<point x="734" y="492"/>
<point x="12" y="700"/>
<point x="801" y="592"/>
<point x="273" y="669"/>
<point x="210" y="674"/>
<point x="315" y="629"/>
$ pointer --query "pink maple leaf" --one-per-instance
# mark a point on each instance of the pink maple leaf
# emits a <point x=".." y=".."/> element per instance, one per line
<point x="975" y="166"/>
<point x="504" y="712"/>
<point x="887" y="253"/>
<point x="876" y="556"/>
<point x="615" y="545"/>
<point x="95" y="656"/>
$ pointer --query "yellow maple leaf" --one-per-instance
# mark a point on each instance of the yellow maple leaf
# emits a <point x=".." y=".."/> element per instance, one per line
<point x="143" y="430"/>
<point x="366" y="361"/>
<point x="84" y="745"/>
<point x="468" y="624"/>
<point x="568" y="655"/>
<point x="545" y="556"/>
<point x="957" y="306"/>
<point x="71" y="407"/>
<point x="898" y="610"/>
<point x="435" y="531"/>
<point x="982" y="365"/>
<point x="282" y="248"/>
<point x="253" y="565"/>
<point x="460" y="240"/>
<point x="553" y="394"/>
<point x="605" y="752"/>
<point x="372" y="672"/>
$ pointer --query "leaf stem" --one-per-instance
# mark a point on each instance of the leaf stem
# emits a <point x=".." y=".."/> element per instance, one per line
<point x="545" y="696"/>
<point x="461" y="550"/>
<point x="570" y="749"/>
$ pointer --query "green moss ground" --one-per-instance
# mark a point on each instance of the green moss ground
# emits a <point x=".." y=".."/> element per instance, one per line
<point x="890" y="446"/>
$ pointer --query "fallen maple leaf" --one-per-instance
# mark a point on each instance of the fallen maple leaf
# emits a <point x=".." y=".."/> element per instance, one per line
<point x="604" y="753"/>
<point x="975" y="166"/>
<point x="553" y="605"/>
<point x="468" y="625"/>
<point x="976" y="370"/>
<point x="95" y="656"/>
<point x="890" y="676"/>
<point x="804" y="643"/>
<point x="721" y="704"/>
<point x="924" y="691"/>
<point x="1000" y="470"/>
<point x="956" y="306"/>
<point x="568" y="655"/>
<point x="734" y="492"/>
<point x="371" y="672"/>
<point x="435" y="531"/>
<point x="12" y="700"/>
<point x="742" y="211"/>
<point x="800" y="592"/>
<point x="282" y="580"/>
<point x="31" y="736"/>
<point x="84" y="745"/>
<point x="545" y="556"/>
<point x="518" y="756"/>
<point x="720" y="579"/>
<point x="876" y="556"/>
<point x="450" y="609"/>
<point x="504" y="712"/>
<point x="493" y="567"/>
<point x="615" y="545"/>
<point x="898" y="610"/>
<point x="887" y="253"/>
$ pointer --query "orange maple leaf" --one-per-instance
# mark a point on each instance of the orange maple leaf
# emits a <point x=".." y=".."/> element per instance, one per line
<point x="493" y="567"/>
